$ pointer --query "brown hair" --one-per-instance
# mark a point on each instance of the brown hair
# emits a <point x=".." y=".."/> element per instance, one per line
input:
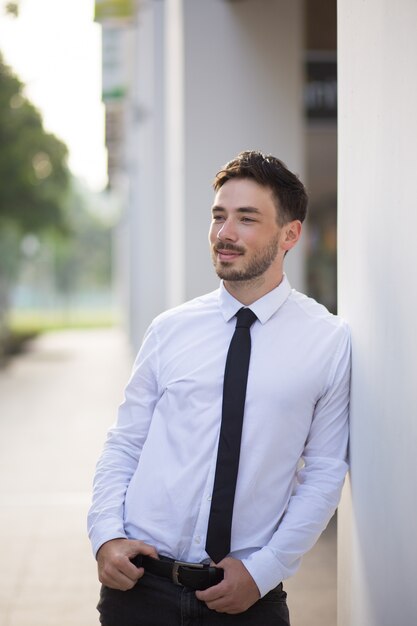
<point x="288" y="191"/>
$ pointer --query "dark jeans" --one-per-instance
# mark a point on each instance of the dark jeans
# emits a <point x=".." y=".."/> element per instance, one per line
<point x="156" y="601"/>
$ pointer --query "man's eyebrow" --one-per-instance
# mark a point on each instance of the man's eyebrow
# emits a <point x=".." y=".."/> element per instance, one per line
<point x="242" y="209"/>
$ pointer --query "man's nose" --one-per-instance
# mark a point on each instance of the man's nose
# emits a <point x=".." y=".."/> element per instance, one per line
<point x="227" y="232"/>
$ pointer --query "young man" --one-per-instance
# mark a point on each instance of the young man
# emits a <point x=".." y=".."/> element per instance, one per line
<point x="172" y="545"/>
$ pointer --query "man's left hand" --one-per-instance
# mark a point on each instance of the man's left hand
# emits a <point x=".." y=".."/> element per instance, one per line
<point x="235" y="593"/>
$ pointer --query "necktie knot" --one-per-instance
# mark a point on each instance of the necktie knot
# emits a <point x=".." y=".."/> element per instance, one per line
<point x="245" y="318"/>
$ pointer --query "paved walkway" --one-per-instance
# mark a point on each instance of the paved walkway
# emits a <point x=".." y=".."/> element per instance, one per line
<point x="56" y="403"/>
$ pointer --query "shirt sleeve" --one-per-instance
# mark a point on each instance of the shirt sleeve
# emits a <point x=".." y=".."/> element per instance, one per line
<point x="123" y="447"/>
<point x="319" y="481"/>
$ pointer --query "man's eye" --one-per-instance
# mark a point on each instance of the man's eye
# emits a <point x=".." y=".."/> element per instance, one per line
<point x="218" y="218"/>
<point x="248" y="220"/>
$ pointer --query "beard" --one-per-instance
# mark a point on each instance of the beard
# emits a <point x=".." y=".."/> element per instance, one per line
<point x="255" y="266"/>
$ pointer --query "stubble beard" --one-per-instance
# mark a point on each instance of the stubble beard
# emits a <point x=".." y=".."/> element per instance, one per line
<point x="255" y="267"/>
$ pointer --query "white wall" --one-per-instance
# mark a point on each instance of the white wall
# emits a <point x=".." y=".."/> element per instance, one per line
<point x="212" y="79"/>
<point x="234" y="74"/>
<point x="378" y="296"/>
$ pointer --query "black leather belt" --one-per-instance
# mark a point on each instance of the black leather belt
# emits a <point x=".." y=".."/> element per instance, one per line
<point x="192" y="575"/>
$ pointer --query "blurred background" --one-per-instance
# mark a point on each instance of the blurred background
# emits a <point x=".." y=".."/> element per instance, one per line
<point x="55" y="233"/>
<point x="80" y="123"/>
<point x="114" y="117"/>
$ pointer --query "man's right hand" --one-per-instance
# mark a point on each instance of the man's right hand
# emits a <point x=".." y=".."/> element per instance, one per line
<point x="115" y="568"/>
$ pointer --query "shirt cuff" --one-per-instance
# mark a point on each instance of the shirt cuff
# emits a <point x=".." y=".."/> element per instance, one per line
<point x="265" y="569"/>
<point x="100" y="535"/>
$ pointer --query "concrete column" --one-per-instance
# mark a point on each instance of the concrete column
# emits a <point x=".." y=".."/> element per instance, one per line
<point x="146" y="219"/>
<point x="235" y="72"/>
<point x="378" y="297"/>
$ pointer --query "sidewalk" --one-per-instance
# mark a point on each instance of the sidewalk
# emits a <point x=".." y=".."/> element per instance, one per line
<point x="56" y="403"/>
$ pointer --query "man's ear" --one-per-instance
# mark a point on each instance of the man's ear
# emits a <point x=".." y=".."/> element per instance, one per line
<point x="291" y="233"/>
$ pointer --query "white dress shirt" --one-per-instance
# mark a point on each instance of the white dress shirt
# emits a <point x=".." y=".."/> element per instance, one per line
<point x="155" y="477"/>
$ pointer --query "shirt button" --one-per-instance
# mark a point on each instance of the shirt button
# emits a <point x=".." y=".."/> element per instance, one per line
<point x="209" y="498"/>
<point x="197" y="539"/>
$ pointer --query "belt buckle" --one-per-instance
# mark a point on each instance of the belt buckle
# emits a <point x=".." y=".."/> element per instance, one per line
<point x="176" y="566"/>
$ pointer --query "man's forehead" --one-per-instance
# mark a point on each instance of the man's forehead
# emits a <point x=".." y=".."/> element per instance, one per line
<point x="243" y="195"/>
<point x="243" y="188"/>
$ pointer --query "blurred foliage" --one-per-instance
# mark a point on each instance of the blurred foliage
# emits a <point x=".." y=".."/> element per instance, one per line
<point x="83" y="256"/>
<point x="12" y="8"/>
<point x="33" y="180"/>
<point x="27" y="324"/>
<point x="48" y="234"/>
<point x="62" y="275"/>
<point x="33" y="173"/>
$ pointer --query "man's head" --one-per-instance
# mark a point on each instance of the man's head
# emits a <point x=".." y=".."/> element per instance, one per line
<point x="256" y="219"/>
<point x="288" y="192"/>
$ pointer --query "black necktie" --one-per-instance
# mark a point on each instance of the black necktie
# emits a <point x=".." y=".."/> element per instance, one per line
<point x="234" y="393"/>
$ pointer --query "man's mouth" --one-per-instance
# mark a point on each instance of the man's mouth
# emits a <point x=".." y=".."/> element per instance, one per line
<point x="227" y="254"/>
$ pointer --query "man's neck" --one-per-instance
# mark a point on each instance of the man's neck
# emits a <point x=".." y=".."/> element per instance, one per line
<point x="248" y="291"/>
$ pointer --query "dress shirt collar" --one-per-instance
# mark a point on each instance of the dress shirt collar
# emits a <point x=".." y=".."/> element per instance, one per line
<point x="263" y="308"/>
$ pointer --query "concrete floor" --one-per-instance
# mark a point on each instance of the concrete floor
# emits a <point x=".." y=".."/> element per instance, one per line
<point x="56" y="402"/>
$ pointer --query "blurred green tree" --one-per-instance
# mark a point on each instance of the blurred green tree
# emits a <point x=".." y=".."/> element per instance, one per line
<point x="12" y="8"/>
<point x="83" y="259"/>
<point x="34" y="175"/>
<point x="34" y="179"/>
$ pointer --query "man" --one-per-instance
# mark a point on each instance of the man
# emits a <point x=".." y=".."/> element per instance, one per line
<point x="162" y="486"/>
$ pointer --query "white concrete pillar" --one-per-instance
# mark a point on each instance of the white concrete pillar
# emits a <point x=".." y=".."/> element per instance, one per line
<point x="378" y="296"/>
<point x="147" y="219"/>
<point x="235" y="73"/>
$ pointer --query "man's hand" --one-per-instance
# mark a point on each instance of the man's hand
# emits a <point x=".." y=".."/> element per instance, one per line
<point x="115" y="569"/>
<point x="235" y="593"/>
